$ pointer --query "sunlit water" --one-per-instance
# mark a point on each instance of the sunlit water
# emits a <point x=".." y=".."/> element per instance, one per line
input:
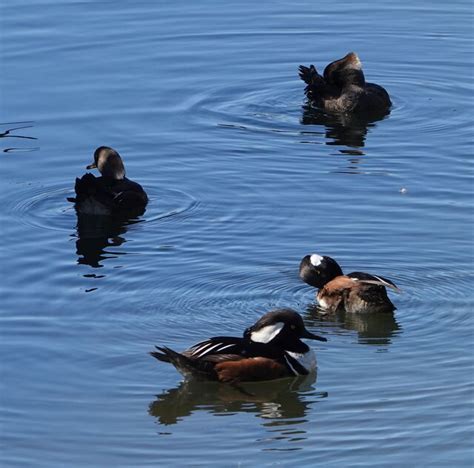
<point x="203" y="101"/>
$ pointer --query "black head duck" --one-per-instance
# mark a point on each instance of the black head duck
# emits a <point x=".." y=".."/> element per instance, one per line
<point x="271" y="348"/>
<point x="355" y="292"/>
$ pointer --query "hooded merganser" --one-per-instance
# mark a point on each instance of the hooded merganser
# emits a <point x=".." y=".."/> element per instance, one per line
<point x="355" y="292"/>
<point x="270" y="349"/>
<point x="343" y="88"/>
<point x="111" y="194"/>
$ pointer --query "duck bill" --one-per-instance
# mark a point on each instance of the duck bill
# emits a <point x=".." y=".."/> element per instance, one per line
<point x="310" y="336"/>
<point x="92" y="166"/>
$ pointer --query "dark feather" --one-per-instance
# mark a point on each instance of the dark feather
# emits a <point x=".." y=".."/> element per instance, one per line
<point x="373" y="279"/>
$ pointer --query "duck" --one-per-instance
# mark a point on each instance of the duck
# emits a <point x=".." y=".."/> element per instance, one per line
<point x="356" y="292"/>
<point x="269" y="349"/>
<point x="343" y="89"/>
<point x="111" y="194"/>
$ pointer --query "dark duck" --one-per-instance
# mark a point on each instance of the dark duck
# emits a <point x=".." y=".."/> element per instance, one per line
<point x="342" y="89"/>
<point x="269" y="349"/>
<point x="355" y="292"/>
<point x="112" y="194"/>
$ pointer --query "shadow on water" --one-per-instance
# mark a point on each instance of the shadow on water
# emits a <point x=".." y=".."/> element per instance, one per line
<point x="280" y="403"/>
<point x="372" y="329"/>
<point x="96" y="234"/>
<point x="9" y="134"/>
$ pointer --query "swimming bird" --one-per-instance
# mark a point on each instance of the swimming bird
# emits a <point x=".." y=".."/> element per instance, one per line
<point x="343" y="89"/>
<point x="270" y="349"/>
<point x="356" y="292"/>
<point x="112" y="193"/>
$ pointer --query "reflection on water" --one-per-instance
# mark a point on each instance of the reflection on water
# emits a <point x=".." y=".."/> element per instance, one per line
<point x="374" y="329"/>
<point x="230" y="212"/>
<point x="95" y="234"/>
<point x="9" y="134"/>
<point x="342" y="130"/>
<point x="280" y="403"/>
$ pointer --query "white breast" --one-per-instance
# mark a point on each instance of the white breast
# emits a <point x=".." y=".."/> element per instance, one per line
<point x="322" y="303"/>
<point x="307" y="360"/>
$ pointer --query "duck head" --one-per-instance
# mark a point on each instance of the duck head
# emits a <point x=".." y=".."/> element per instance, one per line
<point x="283" y="328"/>
<point x="109" y="163"/>
<point x="317" y="270"/>
<point x="345" y="72"/>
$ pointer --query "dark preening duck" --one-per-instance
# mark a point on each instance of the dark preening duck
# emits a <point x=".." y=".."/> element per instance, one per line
<point x="112" y="194"/>
<point x="356" y="292"/>
<point x="270" y="349"/>
<point x="342" y="88"/>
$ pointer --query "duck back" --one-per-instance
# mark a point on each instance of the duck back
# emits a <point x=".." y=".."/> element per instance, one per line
<point x="104" y="196"/>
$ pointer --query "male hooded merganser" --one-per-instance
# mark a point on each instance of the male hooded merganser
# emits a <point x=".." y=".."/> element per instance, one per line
<point x="356" y="292"/>
<point x="111" y="194"/>
<point x="343" y="88"/>
<point x="270" y="349"/>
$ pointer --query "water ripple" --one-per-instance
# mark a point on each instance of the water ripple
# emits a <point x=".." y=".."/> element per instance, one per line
<point x="46" y="207"/>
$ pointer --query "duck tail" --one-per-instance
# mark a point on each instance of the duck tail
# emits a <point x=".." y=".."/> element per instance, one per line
<point x="308" y="74"/>
<point x="86" y="185"/>
<point x="183" y="364"/>
<point x="162" y="355"/>
<point x="314" y="81"/>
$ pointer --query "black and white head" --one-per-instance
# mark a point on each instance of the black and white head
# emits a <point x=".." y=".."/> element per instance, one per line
<point x="317" y="270"/>
<point x="281" y="327"/>
<point x="345" y="71"/>
<point x="109" y="163"/>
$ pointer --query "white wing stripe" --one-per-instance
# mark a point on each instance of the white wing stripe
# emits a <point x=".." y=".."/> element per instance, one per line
<point x="208" y="350"/>
<point x="382" y="280"/>
<point x="201" y="348"/>
<point x="226" y="346"/>
<point x="291" y="367"/>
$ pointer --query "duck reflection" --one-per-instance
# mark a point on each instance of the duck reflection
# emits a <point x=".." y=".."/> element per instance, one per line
<point x="288" y="399"/>
<point x="373" y="329"/>
<point x="343" y="129"/>
<point x="96" y="234"/>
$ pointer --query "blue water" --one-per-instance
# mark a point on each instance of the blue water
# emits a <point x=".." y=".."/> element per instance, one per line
<point x="203" y="101"/>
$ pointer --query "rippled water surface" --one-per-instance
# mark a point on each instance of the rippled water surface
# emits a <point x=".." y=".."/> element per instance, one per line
<point x="203" y="101"/>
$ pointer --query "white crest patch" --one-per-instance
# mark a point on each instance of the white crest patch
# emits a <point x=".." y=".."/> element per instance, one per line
<point x="266" y="334"/>
<point x="307" y="360"/>
<point x="315" y="260"/>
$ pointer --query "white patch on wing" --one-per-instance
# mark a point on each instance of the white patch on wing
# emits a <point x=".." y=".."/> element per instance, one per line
<point x="226" y="346"/>
<point x="266" y="334"/>
<point x="307" y="360"/>
<point x="385" y="282"/>
<point x="315" y="260"/>
<point x="201" y="347"/>
<point x="208" y="350"/>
